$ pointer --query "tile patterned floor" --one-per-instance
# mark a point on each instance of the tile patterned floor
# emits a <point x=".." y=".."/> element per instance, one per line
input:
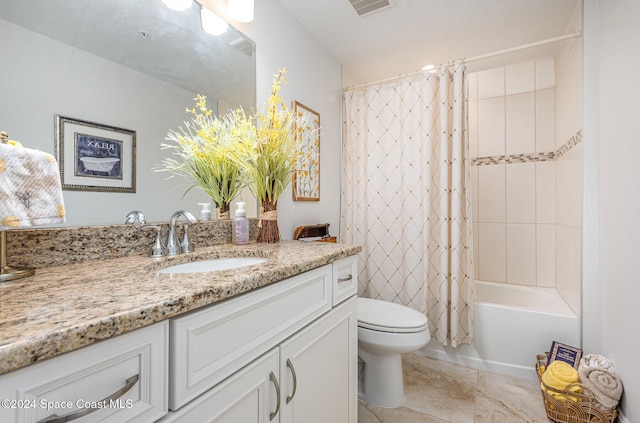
<point x="442" y="392"/>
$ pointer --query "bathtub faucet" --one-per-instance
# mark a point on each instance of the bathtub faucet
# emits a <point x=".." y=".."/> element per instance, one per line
<point x="173" y="247"/>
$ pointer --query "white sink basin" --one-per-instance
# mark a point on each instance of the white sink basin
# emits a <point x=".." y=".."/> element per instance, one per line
<point x="212" y="265"/>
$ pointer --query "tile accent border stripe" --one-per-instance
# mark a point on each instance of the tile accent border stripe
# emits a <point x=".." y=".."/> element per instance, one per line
<point x="513" y="158"/>
<point x="531" y="157"/>
<point x="573" y="141"/>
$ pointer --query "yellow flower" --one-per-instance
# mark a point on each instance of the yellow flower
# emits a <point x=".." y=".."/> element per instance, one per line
<point x="263" y="149"/>
<point x="270" y="149"/>
<point x="201" y="149"/>
<point x="11" y="221"/>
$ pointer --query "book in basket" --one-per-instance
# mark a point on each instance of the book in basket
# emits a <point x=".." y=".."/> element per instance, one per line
<point x="564" y="352"/>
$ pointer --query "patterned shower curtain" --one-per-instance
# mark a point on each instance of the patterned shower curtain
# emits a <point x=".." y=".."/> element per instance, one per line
<point x="406" y="197"/>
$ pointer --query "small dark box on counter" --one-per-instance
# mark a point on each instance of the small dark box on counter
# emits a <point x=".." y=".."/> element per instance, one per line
<point x="318" y="232"/>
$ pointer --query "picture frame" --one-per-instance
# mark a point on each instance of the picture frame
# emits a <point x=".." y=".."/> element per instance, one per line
<point x="305" y="181"/>
<point x="95" y="157"/>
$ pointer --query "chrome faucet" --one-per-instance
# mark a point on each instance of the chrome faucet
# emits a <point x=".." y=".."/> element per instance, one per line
<point x="173" y="246"/>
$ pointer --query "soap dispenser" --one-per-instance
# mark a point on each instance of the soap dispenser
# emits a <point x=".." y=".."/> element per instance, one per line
<point x="205" y="213"/>
<point x="240" y="232"/>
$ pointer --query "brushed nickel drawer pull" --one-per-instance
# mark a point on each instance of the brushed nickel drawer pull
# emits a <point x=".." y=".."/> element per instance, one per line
<point x="295" y="380"/>
<point x="345" y="279"/>
<point x="275" y="383"/>
<point x="129" y="383"/>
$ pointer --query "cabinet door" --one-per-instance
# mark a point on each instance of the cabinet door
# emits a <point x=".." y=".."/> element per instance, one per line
<point x="248" y="396"/>
<point x="318" y="370"/>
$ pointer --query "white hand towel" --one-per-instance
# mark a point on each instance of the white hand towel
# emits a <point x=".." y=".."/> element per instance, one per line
<point x="596" y="362"/>
<point x="30" y="188"/>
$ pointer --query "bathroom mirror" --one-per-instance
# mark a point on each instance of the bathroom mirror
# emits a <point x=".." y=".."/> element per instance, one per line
<point x="135" y="65"/>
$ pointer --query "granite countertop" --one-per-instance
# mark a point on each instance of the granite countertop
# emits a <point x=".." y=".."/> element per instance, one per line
<point x="63" y="308"/>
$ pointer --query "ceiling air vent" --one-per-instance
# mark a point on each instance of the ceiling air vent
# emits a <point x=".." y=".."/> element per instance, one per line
<point x="364" y="7"/>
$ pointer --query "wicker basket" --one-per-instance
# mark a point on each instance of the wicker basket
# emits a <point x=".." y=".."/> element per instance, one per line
<point x="573" y="407"/>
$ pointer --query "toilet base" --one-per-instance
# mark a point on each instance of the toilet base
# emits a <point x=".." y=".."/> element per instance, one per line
<point x="381" y="379"/>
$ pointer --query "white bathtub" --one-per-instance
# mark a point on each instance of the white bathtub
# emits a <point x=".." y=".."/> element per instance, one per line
<point x="512" y="324"/>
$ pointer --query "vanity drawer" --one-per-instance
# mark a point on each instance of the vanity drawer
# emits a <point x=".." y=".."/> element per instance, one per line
<point x="123" y="378"/>
<point x="211" y="344"/>
<point x="345" y="279"/>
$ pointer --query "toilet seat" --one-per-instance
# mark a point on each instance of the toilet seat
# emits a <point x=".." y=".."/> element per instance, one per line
<point x="384" y="316"/>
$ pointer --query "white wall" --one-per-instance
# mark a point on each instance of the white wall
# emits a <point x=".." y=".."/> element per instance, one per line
<point x="612" y="149"/>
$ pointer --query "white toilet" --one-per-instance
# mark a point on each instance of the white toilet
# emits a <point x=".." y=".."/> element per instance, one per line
<point x="386" y="330"/>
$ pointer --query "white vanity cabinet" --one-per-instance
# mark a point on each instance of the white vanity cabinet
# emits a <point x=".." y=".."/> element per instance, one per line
<point x="122" y="379"/>
<point x="284" y="353"/>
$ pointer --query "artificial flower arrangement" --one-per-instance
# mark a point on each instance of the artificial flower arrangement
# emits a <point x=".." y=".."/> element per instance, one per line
<point x="267" y="152"/>
<point x="257" y="151"/>
<point x="202" y="147"/>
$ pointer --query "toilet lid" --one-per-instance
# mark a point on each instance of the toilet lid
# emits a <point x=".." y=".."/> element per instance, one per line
<point x="386" y="316"/>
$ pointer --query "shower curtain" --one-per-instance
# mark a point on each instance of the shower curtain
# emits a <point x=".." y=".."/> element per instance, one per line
<point x="406" y="197"/>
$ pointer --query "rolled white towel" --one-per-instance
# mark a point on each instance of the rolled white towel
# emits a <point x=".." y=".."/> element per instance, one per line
<point x="605" y="386"/>
<point x="596" y="362"/>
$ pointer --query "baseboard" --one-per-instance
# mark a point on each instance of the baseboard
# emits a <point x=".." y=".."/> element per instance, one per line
<point x="468" y="360"/>
<point x="622" y="418"/>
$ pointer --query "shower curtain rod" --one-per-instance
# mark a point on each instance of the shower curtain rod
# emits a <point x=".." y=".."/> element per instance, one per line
<point x="471" y="59"/>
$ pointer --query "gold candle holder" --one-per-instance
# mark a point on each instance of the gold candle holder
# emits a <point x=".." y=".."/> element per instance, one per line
<point x="9" y="273"/>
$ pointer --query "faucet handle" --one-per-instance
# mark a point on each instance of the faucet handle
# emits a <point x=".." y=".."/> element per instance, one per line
<point x="158" y="249"/>
<point x="185" y="244"/>
<point x="135" y="217"/>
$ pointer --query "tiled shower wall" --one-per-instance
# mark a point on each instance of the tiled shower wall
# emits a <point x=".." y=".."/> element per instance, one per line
<point x="569" y="170"/>
<point x="525" y="179"/>
<point x="512" y="137"/>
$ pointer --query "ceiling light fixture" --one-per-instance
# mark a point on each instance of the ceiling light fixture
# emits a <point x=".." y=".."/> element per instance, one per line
<point x="178" y="4"/>
<point x="212" y="23"/>
<point x="240" y="10"/>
